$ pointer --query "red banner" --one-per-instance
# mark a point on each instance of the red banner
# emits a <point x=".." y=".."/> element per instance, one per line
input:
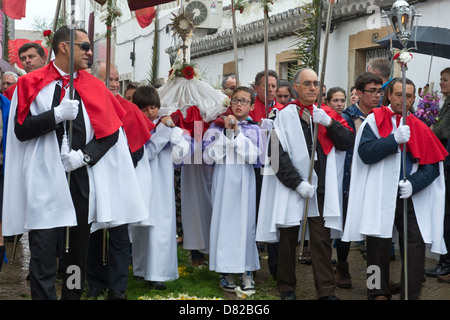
<point x="141" y="4"/>
<point x="145" y="16"/>
<point x="15" y="9"/>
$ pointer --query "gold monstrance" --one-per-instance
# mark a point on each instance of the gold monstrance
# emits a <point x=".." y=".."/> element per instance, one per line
<point x="183" y="26"/>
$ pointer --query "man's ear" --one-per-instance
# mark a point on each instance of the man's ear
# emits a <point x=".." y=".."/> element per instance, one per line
<point x="63" y="48"/>
<point x="359" y="93"/>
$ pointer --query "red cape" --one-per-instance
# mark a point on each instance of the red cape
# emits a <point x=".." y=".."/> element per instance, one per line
<point x="259" y="112"/>
<point x="423" y="143"/>
<point x="322" y="135"/>
<point x="10" y="92"/>
<point x="136" y="125"/>
<point x="220" y="120"/>
<point x="193" y="123"/>
<point x="103" y="108"/>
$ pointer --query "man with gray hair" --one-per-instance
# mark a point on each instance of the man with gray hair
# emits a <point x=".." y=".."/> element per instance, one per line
<point x="229" y="84"/>
<point x="280" y="218"/>
<point x="8" y="79"/>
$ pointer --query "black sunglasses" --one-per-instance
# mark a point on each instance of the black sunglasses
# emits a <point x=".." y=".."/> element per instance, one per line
<point x="85" y="46"/>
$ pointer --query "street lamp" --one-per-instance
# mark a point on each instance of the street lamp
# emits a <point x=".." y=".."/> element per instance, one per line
<point x="401" y="17"/>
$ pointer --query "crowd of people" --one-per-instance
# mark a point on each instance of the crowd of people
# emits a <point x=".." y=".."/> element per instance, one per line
<point x="88" y="169"/>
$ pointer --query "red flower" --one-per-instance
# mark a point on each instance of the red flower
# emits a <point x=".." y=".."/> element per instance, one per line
<point x="47" y="33"/>
<point x="188" y="72"/>
<point x="397" y="55"/>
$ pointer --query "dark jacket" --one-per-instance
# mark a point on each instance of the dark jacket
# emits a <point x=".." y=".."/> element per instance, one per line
<point x="343" y="139"/>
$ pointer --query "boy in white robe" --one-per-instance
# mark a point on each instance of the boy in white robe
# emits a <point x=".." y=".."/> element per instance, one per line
<point x="234" y="148"/>
<point x="154" y="247"/>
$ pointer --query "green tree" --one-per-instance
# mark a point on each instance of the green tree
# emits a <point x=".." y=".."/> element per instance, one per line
<point x="307" y="43"/>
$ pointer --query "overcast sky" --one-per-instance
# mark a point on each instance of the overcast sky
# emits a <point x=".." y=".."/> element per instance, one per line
<point x="36" y="9"/>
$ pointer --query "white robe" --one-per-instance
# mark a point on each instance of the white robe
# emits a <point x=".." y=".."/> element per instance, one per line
<point x="196" y="205"/>
<point x="282" y="207"/>
<point x="144" y="177"/>
<point x="155" y="247"/>
<point x="373" y="194"/>
<point x="37" y="195"/>
<point x="232" y="236"/>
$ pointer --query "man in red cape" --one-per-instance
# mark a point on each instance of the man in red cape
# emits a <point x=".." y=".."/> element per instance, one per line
<point x="377" y="162"/>
<point x="293" y="125"/>
<point x="40" y="111"/>
<point x="259" y="112"/>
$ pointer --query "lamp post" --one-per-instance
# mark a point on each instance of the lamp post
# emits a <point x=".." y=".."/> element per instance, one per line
<point x="401" y="17"/>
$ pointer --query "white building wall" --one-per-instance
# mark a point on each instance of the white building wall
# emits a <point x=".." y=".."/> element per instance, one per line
<point x="434" y="13"/>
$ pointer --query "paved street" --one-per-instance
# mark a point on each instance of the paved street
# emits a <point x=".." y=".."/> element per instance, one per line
<point x="14" y="286"/>
<point x="432" y="289"/>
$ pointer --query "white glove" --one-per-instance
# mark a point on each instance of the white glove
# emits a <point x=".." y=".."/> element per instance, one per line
<point x="67" y="110"/>
<point x="73" y="160"/>
<point x="305" y="189"/>
<point x="402" y="134"/>
<point x="405" y="189"/>
<point x="321" y="117"/>
<point x="266" y="124"/>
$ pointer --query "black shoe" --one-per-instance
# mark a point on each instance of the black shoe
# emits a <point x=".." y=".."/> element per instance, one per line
<point x="288" y="295"/>
<point x="440" y="269"/>
<point x="95" y="292"/>
<point x="394" y="287"/>
<point x="116" y="295"/>
<point x="433" y="269"/>
<point x="329" y="298"/>
<point x="157" y="285"/>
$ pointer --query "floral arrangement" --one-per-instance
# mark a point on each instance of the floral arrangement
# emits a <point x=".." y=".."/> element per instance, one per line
<point x="267" y="6"/>
<point x="108" y="16"/>
<point x="403" y="57"/>
<point x="428" y="107"/>
<point x="184" y="70"/>
<point x="180" y="296"/>
<point x="48" y="35"/>
<point x="227" y="101"/>
<point x="240" y="5"/>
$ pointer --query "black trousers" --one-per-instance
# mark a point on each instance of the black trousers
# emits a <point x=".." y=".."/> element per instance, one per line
<point x="113" y="274"/>
<point x="378" y="254"/>
<point x="44" y="244"/>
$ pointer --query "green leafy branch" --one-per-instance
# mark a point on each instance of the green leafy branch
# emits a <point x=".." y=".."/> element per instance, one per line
<point x="306" y="42"/>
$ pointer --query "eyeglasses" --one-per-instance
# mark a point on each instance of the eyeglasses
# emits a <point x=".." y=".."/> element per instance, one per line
<point x="281" y="96"/>
<point x="374" y="91"/>
<point x="310" y="83"/>
<point x="243" y="102"/>
<point x="85" y="46"/>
